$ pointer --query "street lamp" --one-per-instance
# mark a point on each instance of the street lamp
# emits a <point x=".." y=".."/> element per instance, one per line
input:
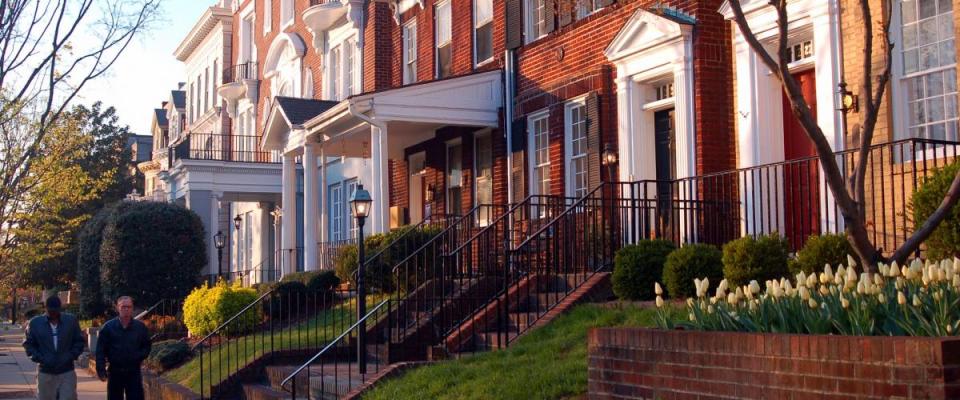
<point x="360" y="207"/>
<point x="609" y="159"/>
<point x="218" y="242"/>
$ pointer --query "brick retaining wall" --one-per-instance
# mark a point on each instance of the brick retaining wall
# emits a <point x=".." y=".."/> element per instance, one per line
<point x="635" y="363"/>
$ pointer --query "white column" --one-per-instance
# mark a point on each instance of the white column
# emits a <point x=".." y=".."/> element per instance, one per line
<point x="215" y="227"/>
<point x="323" y="201"/>
<point x="288" y="236"/>
<point x="685" y="117"/>
<point x="826" y="34"/>
<point x="624" y="127"/>
<point x="379" y="215"/>
<point x="310" y="204"/>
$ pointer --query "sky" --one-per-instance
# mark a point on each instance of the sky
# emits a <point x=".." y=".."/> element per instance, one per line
<point x="147" y="71"/>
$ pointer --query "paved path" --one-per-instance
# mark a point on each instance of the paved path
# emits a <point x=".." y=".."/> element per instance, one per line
<point x="18" y="375"/>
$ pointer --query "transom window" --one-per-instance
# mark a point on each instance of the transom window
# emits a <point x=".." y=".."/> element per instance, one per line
<point x="664" y="91"/>
<point x="576" y="132"/>
<point x="929" y="68"/>
<point x="410" y="52"/>
<point x="539" y="132"/>
<point x="800" y="51"/>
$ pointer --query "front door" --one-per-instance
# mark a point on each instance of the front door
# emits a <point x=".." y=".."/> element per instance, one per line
<point x="665" y="150"/>
<point x="416" y="163"/>
<point x="801" y="172"/>
<point x="454" y="196"/>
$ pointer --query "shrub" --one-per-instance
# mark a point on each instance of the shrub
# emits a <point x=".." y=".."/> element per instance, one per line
<point x="944" y="242"/>
<point x="314" y="281"/>
<point x="207" y="307"/>
<point x="755" y="258"/>
<point x="820" y="250"/>
<point x="909" y="300"/>
<point x="164" y="325"/>
<point x="403" y="242"/>
<point x="167" y="354"/>
<point x="637" y="267"/>
<point x="92" y="302"/>
<point x="692" y="261"/>
<point x="151" y="251"/>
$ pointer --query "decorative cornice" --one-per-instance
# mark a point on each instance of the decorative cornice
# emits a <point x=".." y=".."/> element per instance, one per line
<point x="201" y="29"/>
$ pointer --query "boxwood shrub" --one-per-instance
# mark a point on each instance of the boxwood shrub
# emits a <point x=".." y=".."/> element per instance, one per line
<point x="944" y="242"/>
<point x="637" y="267"/>
<point x="821" y="250"/>
<point x="755" y="258"/>
<point x="692" y="261"/>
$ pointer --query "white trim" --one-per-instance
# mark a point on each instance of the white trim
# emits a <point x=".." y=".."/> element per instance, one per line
<point x="533" y="187"/>
<point x="475" y="27"/>
<point x="268" y="16"/>
<point x="530" y="21"/>
<point x="436" y="34"/>
<point x="411" y="28"/>
<point x="483" y="217"/>
<point x="569" y="175"/>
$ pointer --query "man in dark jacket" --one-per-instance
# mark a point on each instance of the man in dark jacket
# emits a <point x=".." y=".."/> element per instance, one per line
<point x="123" y="343"/>
<point x="53" y="341"/>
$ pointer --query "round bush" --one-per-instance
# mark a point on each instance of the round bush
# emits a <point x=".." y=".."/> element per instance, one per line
<point x="820" y="250"/>
<point x="314" y="281"/>
<point x="944" y="242"/>
<point x="167" y="354"/>
<point x="692" y="261"/>
<point x="402" y="242"/>
<point x="637" y="267"/>
<point x="207" y="307"/>
<point x="755" y="258"/>
<point x="151" y="251"/>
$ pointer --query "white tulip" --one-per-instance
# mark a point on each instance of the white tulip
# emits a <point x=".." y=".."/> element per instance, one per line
<point x="901" y="298"/>
<point x="894" y="270"/>
<point x="812" y="303"/>
<point x="851" y="262"/>
<point x="804" y="293"/>
<point x="657" y="289"/>
<point x="881" y="298"/>
<point x="811" y="280"/>
<point x="754" y="287"/>
<point x="844" y="302"/>
<point x="916" y="301"/>
<point x="689" y="302"/>
<point x="659" y="302"/>
<point x="732" y="298"/>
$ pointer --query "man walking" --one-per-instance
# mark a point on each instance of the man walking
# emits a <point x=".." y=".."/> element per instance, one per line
<point x="123" y="343"/>
<point x="54" y="342"/>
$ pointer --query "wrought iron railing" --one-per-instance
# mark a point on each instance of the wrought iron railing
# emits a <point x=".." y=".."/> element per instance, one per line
<point x="218" y="147"/>
<point x="327" y="252"/>
<point x="164" y="320"/>
<point x="241" y="72"/>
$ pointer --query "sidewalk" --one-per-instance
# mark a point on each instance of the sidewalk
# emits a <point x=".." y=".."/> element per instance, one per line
<point x="18" y="375"/>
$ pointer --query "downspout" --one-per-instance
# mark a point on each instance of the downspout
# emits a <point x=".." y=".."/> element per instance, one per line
<point x="508" y="117"/>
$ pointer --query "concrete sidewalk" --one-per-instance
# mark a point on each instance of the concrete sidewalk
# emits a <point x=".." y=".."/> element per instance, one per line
<point x="18" y="375"/>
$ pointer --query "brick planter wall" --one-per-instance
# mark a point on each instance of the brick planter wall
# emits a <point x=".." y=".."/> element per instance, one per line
<point x="634" y="363"/>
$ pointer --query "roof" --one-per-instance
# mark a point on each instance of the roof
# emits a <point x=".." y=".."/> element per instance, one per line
<point x="211" y="16"/>
<point x="161" y="116"/>
<point x="179" y="98"/>
<point x="297" y="110"/>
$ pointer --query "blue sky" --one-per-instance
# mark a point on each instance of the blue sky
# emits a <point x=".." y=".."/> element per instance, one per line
<point x="146" y="72"/>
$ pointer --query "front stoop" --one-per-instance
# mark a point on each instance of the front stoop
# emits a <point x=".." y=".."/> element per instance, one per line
<point x="390" y="371"/>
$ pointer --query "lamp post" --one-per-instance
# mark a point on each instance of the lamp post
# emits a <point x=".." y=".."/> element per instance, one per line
<point x="360" y="207"/>
<point x="218" y="243"/>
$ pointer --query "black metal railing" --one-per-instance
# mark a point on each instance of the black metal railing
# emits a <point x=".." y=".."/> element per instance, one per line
<point x="241" y="72"/>
<point x="164" y="320"/>
<point x="322" y="2"/>
<point x="278" y="325"/>
<point x="218" y="147"/>
<point x="330" y="250"/>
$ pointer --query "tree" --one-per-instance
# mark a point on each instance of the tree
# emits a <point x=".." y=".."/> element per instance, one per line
<point x="49" y="51"/>
<point x="850" y="195"/>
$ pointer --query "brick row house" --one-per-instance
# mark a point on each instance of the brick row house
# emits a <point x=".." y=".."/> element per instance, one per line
<point x="438" y="107"/>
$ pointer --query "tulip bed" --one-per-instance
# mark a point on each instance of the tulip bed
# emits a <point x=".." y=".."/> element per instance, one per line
<point x="919" y="299"/>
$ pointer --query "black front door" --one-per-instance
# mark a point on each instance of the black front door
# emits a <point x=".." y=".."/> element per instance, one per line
<point x="665" y="151"/>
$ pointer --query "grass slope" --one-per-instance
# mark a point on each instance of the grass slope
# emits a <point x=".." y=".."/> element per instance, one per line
<point x="548" y="363"/>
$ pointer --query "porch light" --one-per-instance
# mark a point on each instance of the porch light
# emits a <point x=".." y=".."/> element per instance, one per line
<point x="236" y="222"/>
<point x="609" y="155"/>
<point x="360" y="202"/>
<point x="848" y="101"/>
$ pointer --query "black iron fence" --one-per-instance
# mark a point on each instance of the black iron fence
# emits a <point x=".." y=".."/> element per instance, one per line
<point x="164" y="320"/>
<point x="218" y="147"/>
<point x="240" y="72"/>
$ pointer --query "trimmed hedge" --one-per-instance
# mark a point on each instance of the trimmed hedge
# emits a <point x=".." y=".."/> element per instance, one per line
<point x="92" y="302"/>
<point x="692" y="261"/>
<point x="821" y="250"/>
<point x="207" y="307"/>
<point x="637" y="267"/>
<point x="755" y="258"/>
<point x="167" y="354"/>
<point x="944" y="242"/>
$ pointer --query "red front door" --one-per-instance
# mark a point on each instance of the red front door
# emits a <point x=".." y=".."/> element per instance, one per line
<point x="801" y="172"/>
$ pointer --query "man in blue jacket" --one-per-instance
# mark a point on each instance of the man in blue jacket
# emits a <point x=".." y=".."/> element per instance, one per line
<point x="123" y="343"/>
<point x="53" y="341"/>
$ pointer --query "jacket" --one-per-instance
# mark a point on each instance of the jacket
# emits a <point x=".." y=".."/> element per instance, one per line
<point x="123" y="349"/>
<point x="38" y="343"/>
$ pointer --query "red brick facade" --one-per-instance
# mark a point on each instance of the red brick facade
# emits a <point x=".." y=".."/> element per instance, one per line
<point x="633" y="363"/>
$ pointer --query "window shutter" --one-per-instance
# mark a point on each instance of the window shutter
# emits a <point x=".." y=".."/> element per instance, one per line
<point x="514" y="34"/>
<point x="519" y="135"/>
<point x="593" y="140"/>
<point x="550" y="8"/>
<point x="518" y="144"/>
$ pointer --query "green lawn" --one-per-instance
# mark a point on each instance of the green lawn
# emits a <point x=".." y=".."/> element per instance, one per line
<point x="222" y="360"/>
<point x="547" y="363"/>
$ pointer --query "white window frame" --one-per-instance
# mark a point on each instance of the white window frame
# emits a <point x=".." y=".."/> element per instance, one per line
<point x="483" y="216"/>
<point x="439" y="44"/>
<point x="535" y="185"/>
<point x="476" y="26"/>
<point x="534" y="21"/>
<point x="333" y="73"/>
<point x="248" y="239"/>
<point x="409" y="37"/>
<point x="900" y="95"/>
<point x="267" y="16"/>
<point x="337" y="208"/>
<point x="448" y="173"/>
<point x="571" y="174"/>
<point x="287" y="13"/>
<point x="350" y="186"/>
<point x="348" y="48"/>
<point x="307" y="83"/>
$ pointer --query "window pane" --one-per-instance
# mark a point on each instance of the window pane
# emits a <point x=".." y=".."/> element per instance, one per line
<point x="928" y="31"/>
<point x="484" y="11"/>
<point x="908" y="11"/>
<point x="934" y="84"/>
<point x="945" y="6"/>
<point x="443" y="23"/>
<point x="928" y="57"/>
<point x="443" y="61"/>
<point x="928" y="8"/>
<point x="485" y="42"/>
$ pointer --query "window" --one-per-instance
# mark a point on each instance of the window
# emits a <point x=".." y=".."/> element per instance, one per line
<point x="348" y="69"/>
<point x="246" y="39"/>
<point x="206" y="89"/>
<point x="483" y="157"/>
<point x="190" y="108"/>
<point x="241" y="251"/>
<point x="410" y="52"/>
<point x="213" y="89"/>
<point x="444" y="38"/>
<point x="351" y="186"/>
<point x="334" y="65"/>
<point x="539" y="132"/>
<point x="536" y="19"/>
<point x="586" y="7"/>
<point x="286" y="13"/>
<point x="308" y="83"/>
<point x="929" y="69"/>
<point x="483" y="31"/>
<point x="454" y="198"/>
<point x="575" y="130"/>
<point x="267" y="15"/>
<point x="337" y="209"/>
